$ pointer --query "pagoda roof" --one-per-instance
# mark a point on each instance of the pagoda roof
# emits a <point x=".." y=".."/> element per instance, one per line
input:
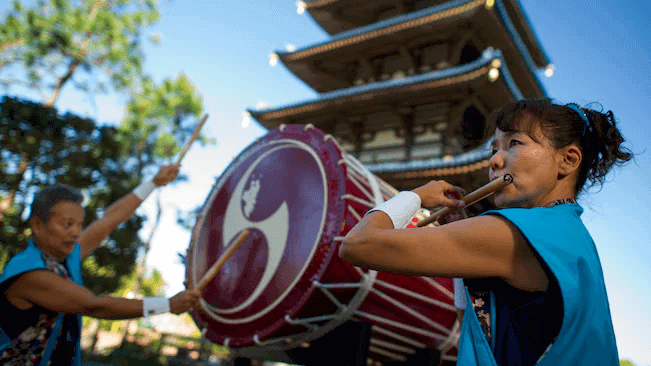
<point x="397" y="31"/>
<point x="328" y="14"/>
<point x="442" y="85"/>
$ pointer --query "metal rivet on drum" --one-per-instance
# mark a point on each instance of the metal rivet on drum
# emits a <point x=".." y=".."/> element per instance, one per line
<point x="227" y="341"/>
<point x="308" y="126"/>
<point x="282" y="127"/>
<point x="305" y="345"/>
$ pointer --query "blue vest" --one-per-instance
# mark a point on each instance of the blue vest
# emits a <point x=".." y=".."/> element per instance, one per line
<point x="28" y="260"/>
<point x="586" y="337"/>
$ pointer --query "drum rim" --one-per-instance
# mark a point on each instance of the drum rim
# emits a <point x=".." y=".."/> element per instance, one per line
<point x="324" y="238"/>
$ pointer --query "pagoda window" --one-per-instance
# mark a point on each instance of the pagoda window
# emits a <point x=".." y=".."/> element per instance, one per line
<point x="428" y="150"/>
<point x="434" y="57"/>
<point x="469" y="53"/>
<point x="383" y="155"/>
<point x="394" y="64"/>
<point x="365" y="72"/>
<point x="384" y="139"/>
<point x="473" y="127"/>
<point x="427" y="137"/>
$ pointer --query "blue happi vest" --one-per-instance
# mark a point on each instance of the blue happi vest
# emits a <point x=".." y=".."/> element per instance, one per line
<point x="586" y="336"/>
<point x="31" y="259"/>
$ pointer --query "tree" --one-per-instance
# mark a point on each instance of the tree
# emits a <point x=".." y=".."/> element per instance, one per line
<point x="59" y="39"/>
<point x="159" y="121"/>
<point x="60" y="42"/>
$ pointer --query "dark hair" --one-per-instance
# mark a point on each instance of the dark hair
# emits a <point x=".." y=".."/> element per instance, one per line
<point x="600" y="142"/>
<point x="49" y="196"/>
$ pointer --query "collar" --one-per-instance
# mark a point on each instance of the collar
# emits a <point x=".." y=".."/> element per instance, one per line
<point x="560" y="202"/>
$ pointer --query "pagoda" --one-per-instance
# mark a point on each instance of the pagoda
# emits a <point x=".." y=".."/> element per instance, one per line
<point x="407" y="86"/>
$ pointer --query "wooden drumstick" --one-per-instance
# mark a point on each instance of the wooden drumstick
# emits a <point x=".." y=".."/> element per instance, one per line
<point x="195" y="134"/>
<point x="212" y="272"/>
<point x="471" y="198"/>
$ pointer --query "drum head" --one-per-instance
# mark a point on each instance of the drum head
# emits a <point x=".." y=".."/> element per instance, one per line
<point x="285" y="189"/>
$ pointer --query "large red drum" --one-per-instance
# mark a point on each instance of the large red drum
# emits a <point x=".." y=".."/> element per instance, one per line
<point x="298" y="193"/>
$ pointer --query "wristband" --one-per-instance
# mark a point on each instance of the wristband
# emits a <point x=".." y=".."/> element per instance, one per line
<point x="155" y="305"/>
<point x="144" y="189"/>
<point x="400" y="208"/>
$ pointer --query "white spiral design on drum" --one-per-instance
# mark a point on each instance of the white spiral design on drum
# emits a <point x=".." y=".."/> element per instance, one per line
<point x="275" y="229"/>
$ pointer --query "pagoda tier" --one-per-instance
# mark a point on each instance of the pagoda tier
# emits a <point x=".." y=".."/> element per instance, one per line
<point x="434" y="38"/>
<point x="417" y="118"/>
<point x="336" y="16"/>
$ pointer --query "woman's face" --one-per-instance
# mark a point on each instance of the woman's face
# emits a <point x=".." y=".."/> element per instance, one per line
<point x="58" y="236"/>
<point x="533" y="165"/>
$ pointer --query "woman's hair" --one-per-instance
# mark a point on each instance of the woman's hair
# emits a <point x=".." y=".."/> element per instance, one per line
<point x="49" y="196"/>
<point x="599" y="140"/>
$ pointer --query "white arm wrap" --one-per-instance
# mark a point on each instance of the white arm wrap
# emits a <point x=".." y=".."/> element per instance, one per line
<point x="144" y="189"/>
<point x="400" y="208"/>
<point x="154" y="306"/>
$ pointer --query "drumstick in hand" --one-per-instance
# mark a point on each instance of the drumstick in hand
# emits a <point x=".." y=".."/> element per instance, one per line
<point x="212" y="272"/>
<point x="195" y="134"/>
<point x="471" y="198"/>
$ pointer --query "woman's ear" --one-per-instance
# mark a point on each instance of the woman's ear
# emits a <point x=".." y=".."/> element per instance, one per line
<point x="570" y="158"/>
<point x="36" y="224"/>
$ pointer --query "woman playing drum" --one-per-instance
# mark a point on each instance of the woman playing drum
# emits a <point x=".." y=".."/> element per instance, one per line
<point x="535" y="285"/>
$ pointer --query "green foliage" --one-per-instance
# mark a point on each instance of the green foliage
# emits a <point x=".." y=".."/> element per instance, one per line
<point x="160" y="119"/>
<point x="54" y="39"/>
<point x="74" y="151"/>
<point x="50" y="42"/>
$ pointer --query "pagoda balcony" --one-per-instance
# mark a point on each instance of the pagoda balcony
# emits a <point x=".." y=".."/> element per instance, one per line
<point x="435" y="38"/>
<point x="412" y="119"/>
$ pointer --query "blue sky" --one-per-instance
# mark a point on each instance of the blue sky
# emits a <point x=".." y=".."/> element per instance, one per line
<point x="601" y="50"/>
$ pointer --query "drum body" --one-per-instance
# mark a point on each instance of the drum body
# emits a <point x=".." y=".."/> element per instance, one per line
<point x="299" y="193"/>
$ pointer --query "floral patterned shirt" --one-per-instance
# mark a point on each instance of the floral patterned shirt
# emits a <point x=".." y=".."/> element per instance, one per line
<point x="29" y="346"/>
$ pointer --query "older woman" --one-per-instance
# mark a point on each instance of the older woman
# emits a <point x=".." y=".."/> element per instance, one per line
<point x="535" y="288"/>
<point x="44" y="296"/>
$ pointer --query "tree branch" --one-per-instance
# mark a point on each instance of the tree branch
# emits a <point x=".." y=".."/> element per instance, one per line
<point x="83" y="52"/>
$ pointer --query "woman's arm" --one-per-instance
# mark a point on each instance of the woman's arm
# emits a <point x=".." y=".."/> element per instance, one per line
<point x="51" y="291"/>
<point x="486" y="246"/>
<point x="120" y="211"/>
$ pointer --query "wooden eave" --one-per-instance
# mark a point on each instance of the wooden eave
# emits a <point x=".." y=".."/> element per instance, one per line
<point x="331" y="14"/>
<point x="445" y="86"/>
<point x="526" y="31"/>
<point x="432" y="25"/>
<point x="326" y="13"/>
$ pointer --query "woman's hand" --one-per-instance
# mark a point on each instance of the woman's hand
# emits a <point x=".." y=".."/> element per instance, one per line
<point x="440" y="193"/>
<point x="185" y="300"/>
<point x="166" y="174"/>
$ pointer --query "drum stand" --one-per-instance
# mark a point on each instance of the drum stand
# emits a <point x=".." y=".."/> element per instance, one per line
<point x="346" y="345"/>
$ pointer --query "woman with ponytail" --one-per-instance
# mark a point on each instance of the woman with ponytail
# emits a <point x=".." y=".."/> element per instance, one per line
<point x="534" y="286"/>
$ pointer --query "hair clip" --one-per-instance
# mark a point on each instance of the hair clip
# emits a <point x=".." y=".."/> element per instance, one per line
<point x="577" y="108"/>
